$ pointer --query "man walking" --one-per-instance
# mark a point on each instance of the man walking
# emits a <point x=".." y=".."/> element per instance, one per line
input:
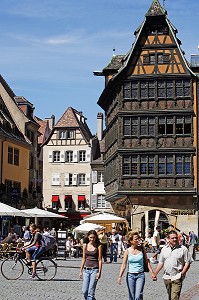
<point x="176" y="261"/>
<point x="156" y="245"/>
<point x="192" y="244"/>
<point x="114" y="238"/>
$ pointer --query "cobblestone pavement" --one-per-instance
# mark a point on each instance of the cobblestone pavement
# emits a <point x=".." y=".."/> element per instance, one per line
<point x="67" y="285"/>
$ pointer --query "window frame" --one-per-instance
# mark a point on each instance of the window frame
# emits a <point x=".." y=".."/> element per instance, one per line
<point x="57" y="156"/>
<point x="101" y="202"/>
<point x="69" y="156"/>
<point x="81" y="179"/>
<point x="82" y="156"/>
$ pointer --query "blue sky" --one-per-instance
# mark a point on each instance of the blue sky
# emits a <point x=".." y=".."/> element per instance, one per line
<point x="50" y="48"/>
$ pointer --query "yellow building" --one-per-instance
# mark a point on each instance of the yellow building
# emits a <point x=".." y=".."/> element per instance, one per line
<point x="14" y="150"/>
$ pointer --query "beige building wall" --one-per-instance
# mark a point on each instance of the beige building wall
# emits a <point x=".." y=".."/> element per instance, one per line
<point x="63" y="168"/>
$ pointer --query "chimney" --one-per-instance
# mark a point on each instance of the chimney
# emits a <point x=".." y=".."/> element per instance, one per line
<point x="99" y="126"/>
<point x="51" y="121"/>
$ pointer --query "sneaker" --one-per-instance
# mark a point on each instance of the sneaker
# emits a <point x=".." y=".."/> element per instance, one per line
<point x="152" y="260"/>
<point x="156" y="262"/>
<point x="33" y="274"/>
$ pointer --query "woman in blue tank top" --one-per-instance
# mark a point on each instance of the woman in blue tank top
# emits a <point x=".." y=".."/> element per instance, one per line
<point x="135" y="255"/>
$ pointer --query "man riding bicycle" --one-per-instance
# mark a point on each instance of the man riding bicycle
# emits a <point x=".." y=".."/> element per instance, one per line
<point x="35" y="248"/>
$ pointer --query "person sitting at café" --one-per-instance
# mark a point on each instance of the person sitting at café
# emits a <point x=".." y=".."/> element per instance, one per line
<point x="70" y="247"/>
<point x="78" y="247"/>
<point x="11" y="238"/>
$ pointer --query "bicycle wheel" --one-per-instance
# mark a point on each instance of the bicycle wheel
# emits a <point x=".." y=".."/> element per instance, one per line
<point x="46" y="269"/>
<point x="12" y="268"/>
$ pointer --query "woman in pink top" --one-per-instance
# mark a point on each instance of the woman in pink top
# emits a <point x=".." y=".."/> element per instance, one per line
<point x="91" y="265"/>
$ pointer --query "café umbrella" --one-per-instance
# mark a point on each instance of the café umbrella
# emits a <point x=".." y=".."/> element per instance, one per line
<point x="104" y="217"/>
<point x="6" y="210"/>
<point x="86" y="227"/>
<point x="41" y="213"/>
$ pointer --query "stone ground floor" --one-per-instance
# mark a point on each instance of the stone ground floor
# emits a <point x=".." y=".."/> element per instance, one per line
<point x="142" y="218"/>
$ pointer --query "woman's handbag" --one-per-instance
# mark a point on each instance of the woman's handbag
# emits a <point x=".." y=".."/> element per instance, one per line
<point x="145" y="260"/>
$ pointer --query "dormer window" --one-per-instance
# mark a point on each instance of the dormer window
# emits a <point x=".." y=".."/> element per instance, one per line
<point x="67" y="134"/>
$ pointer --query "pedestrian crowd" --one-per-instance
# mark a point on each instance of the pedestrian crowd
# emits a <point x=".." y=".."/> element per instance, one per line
<point x="172" y="252"/>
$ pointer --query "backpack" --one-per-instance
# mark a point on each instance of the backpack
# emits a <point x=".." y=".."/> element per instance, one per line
<point x="48" y="241"/>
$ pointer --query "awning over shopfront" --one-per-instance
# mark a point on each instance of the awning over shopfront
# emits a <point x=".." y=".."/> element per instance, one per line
<point x="68" y="197"/>
<point x="81" y="198"/>
<point x="55" y="198"/>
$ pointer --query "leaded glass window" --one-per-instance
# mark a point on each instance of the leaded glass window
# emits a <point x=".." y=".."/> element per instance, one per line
<point x="161" y="89"/>
<point x="169" y="89"/>
<point x="130" y="126"/>
<point x="144" y="90"/>
<point x="151" y="165"/>
<point x="144" y="126"/>
<point x="151" y="89"/>
<point x="161" y="165"/>
<point x="179" y="88"/>
<point x="187" y="88"/>
<point x="127" y="165"/>
<point x="134" y="165"/>
<point x="160" y="59"/>
<point x="151" y="126"/>
<point x="134" y="90"/>
<point x="127" y="126"/>
<point x="143" y="165"/>
<point x="179" y="165"/>
<point x="187" y="165"/>
<point x="169" y="165"/>
<point x="127" y="90"/>
<point x="134" y="126"/>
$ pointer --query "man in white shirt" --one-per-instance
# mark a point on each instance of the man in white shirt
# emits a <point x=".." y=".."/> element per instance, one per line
<point x="114" y="238"/>
<point x="176" y="261"/>
<point x="155" y="245"/>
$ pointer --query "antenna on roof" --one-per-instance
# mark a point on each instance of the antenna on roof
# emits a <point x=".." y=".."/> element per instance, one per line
<point x="164" y="3"/>
<point x="113" y="51"/>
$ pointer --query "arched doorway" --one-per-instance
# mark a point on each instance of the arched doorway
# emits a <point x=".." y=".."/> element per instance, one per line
<point x="163" y="221"/>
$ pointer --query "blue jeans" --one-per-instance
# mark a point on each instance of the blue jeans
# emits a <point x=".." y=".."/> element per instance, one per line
<point x="89" y="283"/>
<point x="35" y="252"/>
<point x="113" y="254"/>
<point x="135" y="284"/>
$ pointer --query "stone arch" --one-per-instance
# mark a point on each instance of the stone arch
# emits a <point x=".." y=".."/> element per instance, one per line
<point x="163" y="220"/>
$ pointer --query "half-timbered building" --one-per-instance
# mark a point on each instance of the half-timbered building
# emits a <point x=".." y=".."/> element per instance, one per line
<point x="151" y="138"/>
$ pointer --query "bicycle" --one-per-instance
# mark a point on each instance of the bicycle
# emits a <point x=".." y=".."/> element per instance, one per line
<point x="13" y="268"/>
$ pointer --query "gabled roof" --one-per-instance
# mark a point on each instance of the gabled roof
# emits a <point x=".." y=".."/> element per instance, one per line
<point x="155" y="11"/>
<point x="72" y="119"/>
<point x="68" y="119"/>
<point x="7" y="87"/>
<point x="115" y="63"/>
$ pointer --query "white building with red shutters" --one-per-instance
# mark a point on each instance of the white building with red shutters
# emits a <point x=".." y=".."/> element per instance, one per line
<point x="67" y="167"/>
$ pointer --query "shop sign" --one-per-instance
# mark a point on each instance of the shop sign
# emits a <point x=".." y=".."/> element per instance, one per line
<point x="183" y="212"/>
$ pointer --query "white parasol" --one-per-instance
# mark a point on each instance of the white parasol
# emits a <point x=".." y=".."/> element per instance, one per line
<point x="86" y="227"/>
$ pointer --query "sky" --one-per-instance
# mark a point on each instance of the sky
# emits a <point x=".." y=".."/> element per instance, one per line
<point x="50" y="48"/>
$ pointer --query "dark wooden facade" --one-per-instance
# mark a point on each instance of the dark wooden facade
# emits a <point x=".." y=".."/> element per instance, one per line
<point x="150" y="104"/>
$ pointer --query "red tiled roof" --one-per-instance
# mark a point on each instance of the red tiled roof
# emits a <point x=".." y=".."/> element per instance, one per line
<point x="42" y="129"/>
<point x="68" y="119"/>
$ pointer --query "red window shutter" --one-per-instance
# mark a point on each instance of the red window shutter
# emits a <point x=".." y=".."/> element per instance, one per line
<point x="68" y="197"/>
